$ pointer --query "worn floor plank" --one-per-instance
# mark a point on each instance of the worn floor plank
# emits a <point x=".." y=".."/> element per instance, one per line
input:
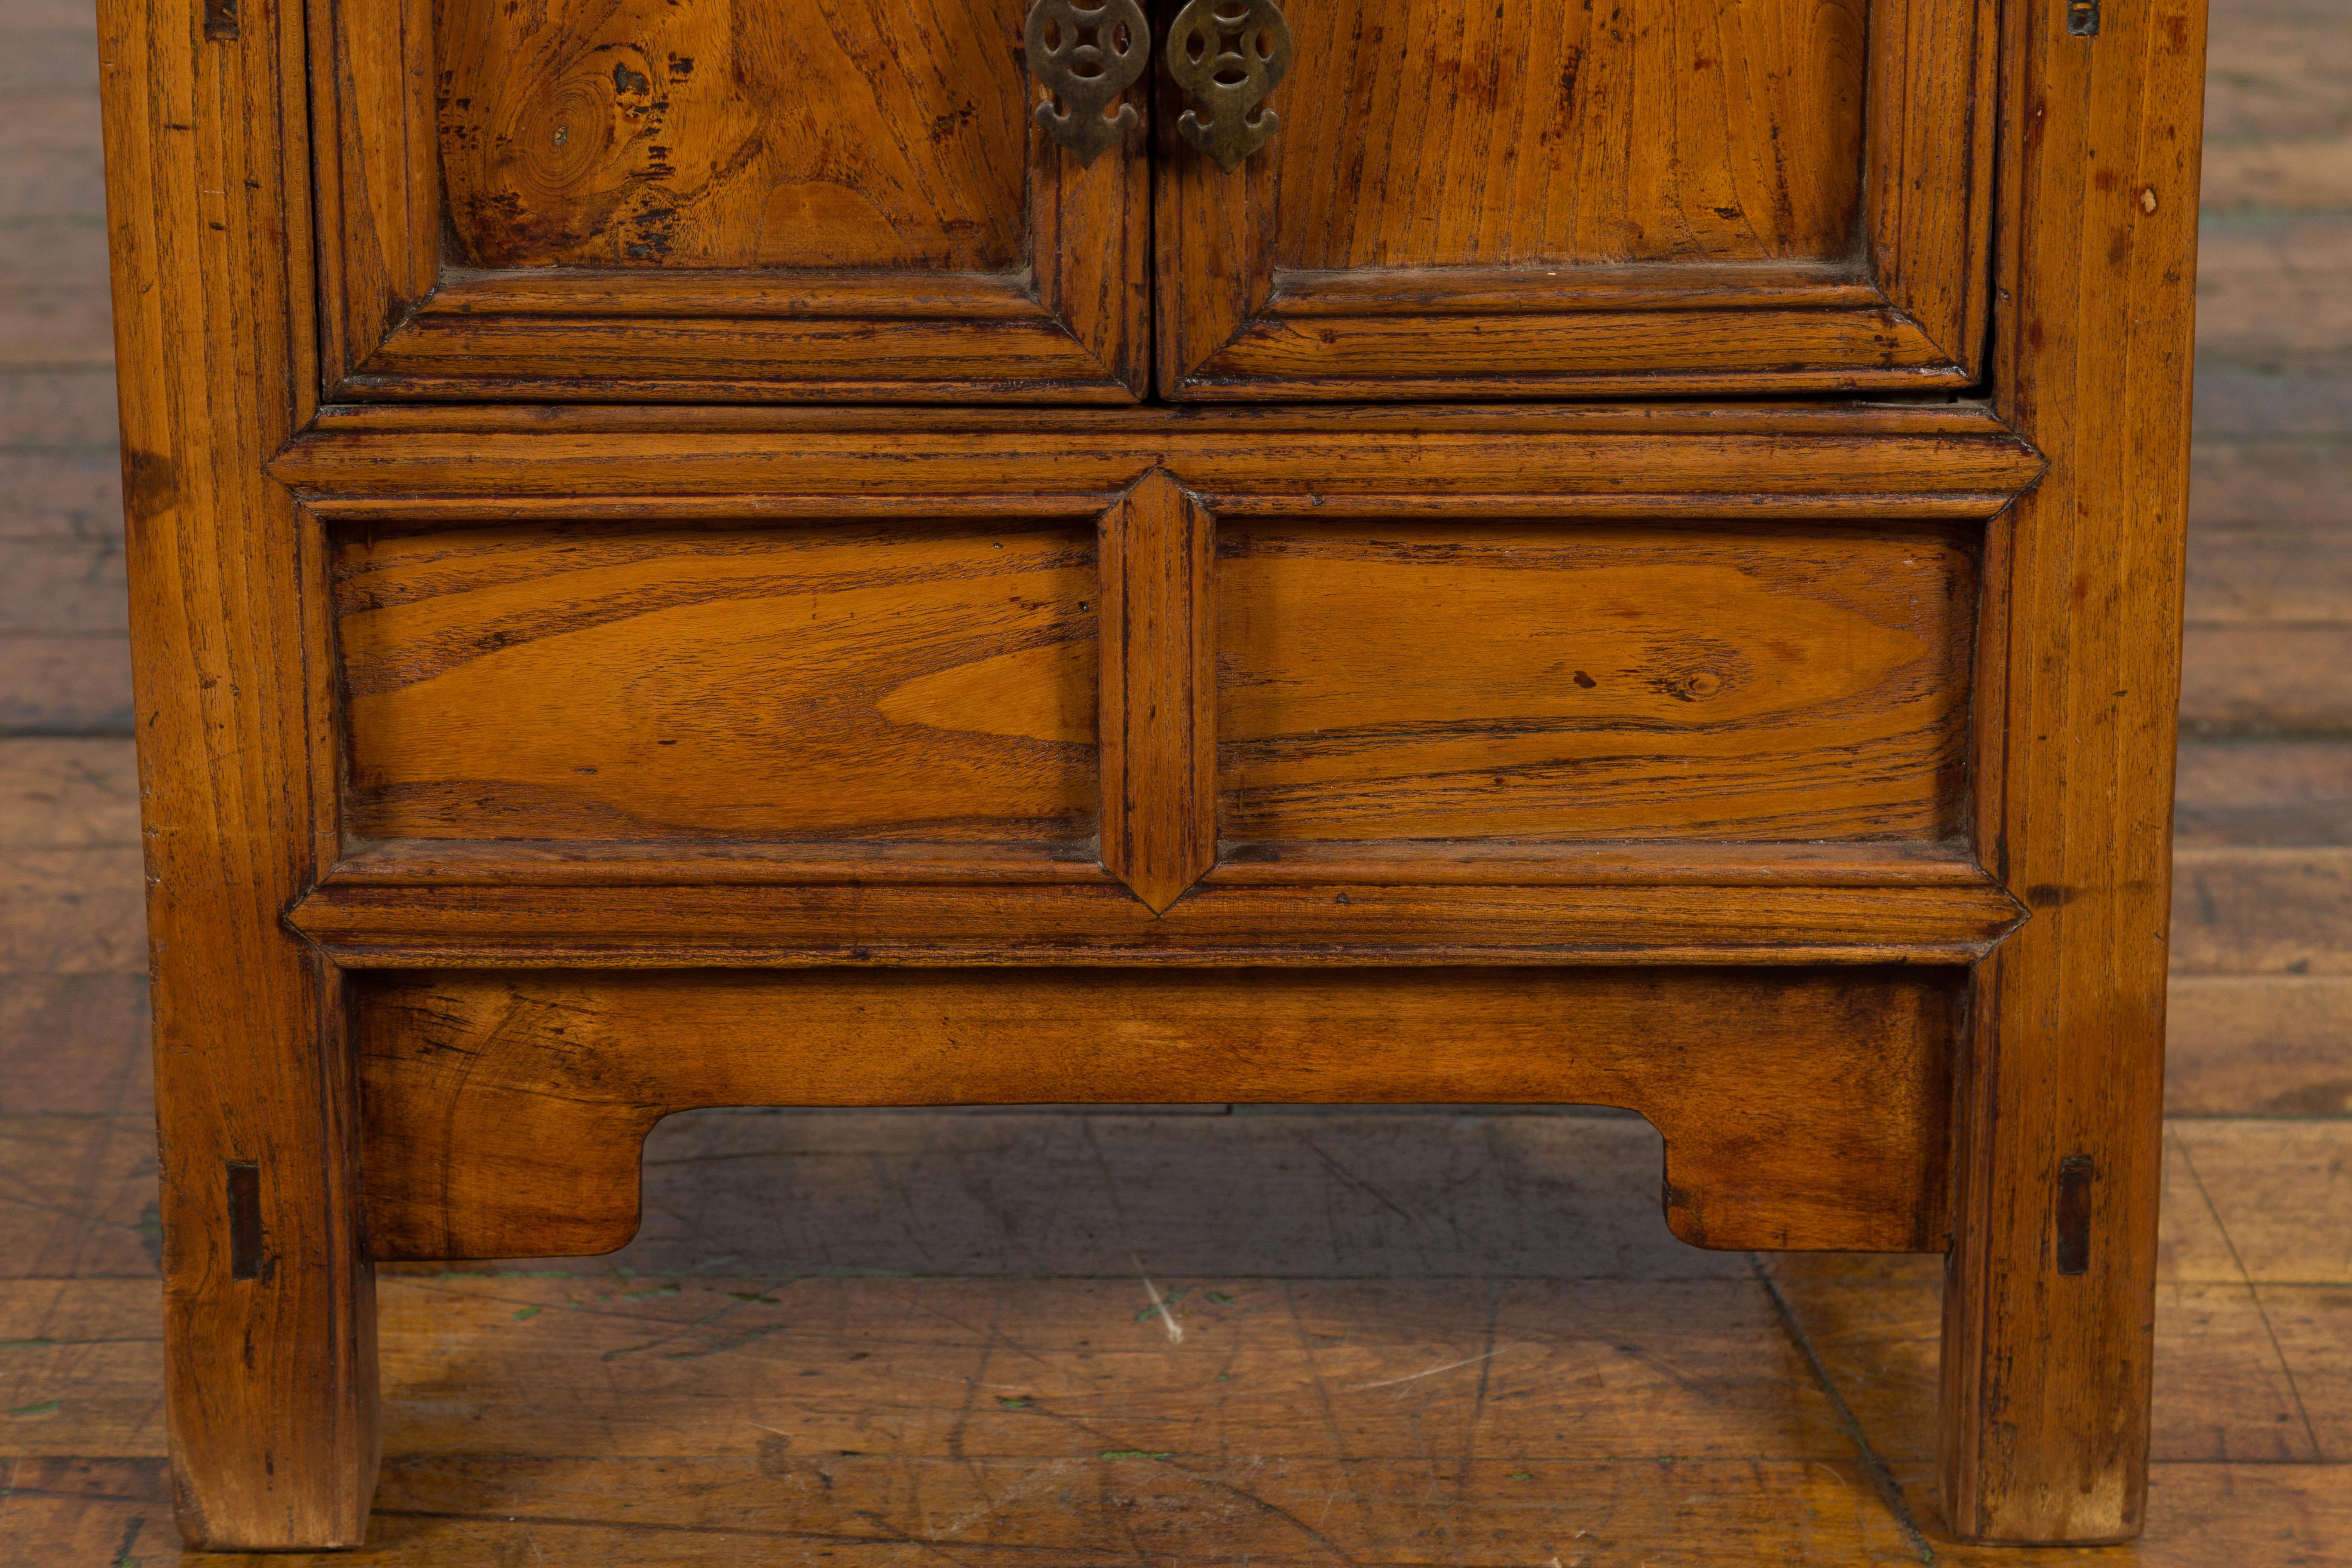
<point x="2259" y="1044"/>
<point x="2270" y="793"/>
<point x="2283" y="1191"/>
<point x="72" y="911"/>
<point x="76" y="1197"/>
<point x="1347" y="1194"/>
<point x="2270" y="288"/>
<point x="2267" y="679"/>
<point x="2258" y="909"/>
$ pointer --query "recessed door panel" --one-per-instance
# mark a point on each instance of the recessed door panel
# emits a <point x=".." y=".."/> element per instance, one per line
<point x="812" y="683"/>
<point x="698" y="200"/>
<point x="1527" y="133"/>
<point x="1545" y="682"/>
<point x="649" y="133"/>
<point x="1519" y="199"/>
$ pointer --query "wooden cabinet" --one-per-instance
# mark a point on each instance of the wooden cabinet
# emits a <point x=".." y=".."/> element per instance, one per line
<point x="863" y="552"/>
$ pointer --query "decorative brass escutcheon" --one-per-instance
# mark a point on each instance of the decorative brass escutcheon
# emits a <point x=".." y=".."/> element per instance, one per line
<point x="1085" y="56"/>
<point x="1227" y="55"/>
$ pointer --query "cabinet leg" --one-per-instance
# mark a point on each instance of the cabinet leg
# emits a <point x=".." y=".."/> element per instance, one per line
<point x="2050" y="1291"/>
<point x="268" y="1301"/>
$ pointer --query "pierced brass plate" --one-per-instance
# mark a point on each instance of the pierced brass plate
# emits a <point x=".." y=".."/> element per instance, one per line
<point x="1227" y="55"/>
<point x="1085" y="56"/>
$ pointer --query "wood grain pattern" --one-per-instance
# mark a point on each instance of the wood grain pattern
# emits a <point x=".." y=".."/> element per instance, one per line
<point x="1583" y="354"/>
<point x="270" y="1387"/>
<point x="2044" y="1432"/>
<point x="608" y="681"/>
<point x="650" y="133"/>
<point x="505" y="1112"/>
<point x="915" y="240"/>
<point x="373" y="920"/>
<point x="1159" y="696"/>
<point x="1262" y="863"/>
<point x="1934" y="75"/>
<point x="1525" y="134"/>
<point x="376" y="183"/>
<point x="1520" y="201"/>
<point x="1637" y="462"/>
<point x="1454" y="681"/>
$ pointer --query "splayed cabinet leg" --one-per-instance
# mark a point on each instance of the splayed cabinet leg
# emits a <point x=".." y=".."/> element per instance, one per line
<point x="2050" y="1293"/>
<point x="269" y="1304"/>
<point x="2047" y="1317"/>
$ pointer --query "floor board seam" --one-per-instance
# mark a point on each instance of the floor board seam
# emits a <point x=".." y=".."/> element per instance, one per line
<point x="1890" y="1491"/>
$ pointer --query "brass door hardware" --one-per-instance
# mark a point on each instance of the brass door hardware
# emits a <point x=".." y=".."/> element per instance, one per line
<point x="1227" y="55"/>
<point x="1085" y="56"/>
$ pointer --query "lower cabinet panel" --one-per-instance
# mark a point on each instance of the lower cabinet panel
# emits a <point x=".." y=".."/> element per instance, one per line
<point x="1559" y="680"/>
<point x="1454" y="680"/>
<point x="504" y="1112"/>
<point x="612" y="681"/>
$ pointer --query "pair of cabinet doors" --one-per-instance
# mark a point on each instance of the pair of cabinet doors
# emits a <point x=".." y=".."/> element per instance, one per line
<point x="961" y="201"/>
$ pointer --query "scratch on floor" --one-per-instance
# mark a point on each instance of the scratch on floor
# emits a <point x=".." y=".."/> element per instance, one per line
<point x="1431" y="1372"/>
<point x="1164" y="1307"/>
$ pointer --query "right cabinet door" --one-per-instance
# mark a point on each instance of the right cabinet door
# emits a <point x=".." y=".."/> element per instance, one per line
<point x="1494" y="198"/>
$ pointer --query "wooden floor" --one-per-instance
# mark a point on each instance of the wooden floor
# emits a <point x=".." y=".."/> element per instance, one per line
<point x="1045" y="1339"/>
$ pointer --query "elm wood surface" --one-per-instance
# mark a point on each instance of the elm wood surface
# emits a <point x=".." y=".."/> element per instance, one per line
<point x="1793" y="197"/>
<point x="1157" y="690"/>
<point x="615" y="682"/>
<point x="406" y="923"/>
<point x="638" y="208"/>
<point x="503" y="1114"/>
<point x="1686" y="682"/>
<point x="604" y="681"/>
<point x="70" y="1510"/>
<point x="2045" y="1377"/>
<point x="1862" y="464"/>
<point x="248" y="1062"/>
<point x="1519" y="200"/>
<point x="646" y="134"/>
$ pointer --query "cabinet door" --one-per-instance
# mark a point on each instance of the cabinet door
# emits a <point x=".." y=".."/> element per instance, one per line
<point x="1520" y="198"/>
<point x="596" y="200"/>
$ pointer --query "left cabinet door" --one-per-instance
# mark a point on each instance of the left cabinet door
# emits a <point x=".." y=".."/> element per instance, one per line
<point x="793" y="200"/>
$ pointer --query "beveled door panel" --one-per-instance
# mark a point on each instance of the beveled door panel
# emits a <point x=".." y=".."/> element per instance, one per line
<point x="693" y="199"/>
<point x="1523" y="199"/>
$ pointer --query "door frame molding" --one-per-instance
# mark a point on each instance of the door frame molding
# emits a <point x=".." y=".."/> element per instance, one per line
<point x="400" y="319"/>
<point x="1904" y="312"/>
